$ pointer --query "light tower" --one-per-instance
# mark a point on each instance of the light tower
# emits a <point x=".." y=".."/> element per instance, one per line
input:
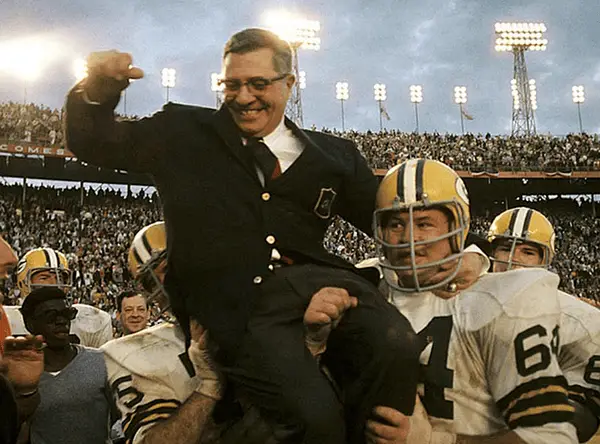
<point x="578" y="99"/>
<point x="416" y="97"/>
<point x="342" y="94"/>
<point x="168" y="79"/>
<point x="460" y="98"/>
<point x="300" y="34"/>
<point x="518" y="38"/>
<point x="380" y="97"/>
<point x="217" y="88"/>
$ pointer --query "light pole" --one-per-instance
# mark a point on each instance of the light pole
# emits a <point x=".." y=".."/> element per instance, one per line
<point x="342" y="94"/>
<point x="217" y="88"/>
<point x="578" y="99"/>
<point x="460" y="98"/>
<point x="300" y="34"/>
<point x="380" y="97"/>
<point x="302" y="80"/>
<point x="518" y="38"/>
<point x="416" y="97"/>
<point x="168" y="79"/>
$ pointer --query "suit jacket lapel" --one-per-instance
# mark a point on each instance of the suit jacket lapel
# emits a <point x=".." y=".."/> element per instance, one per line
<point x="230" y="133"/>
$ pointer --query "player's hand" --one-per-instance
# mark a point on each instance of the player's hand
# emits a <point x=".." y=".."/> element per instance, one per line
<point x="23" y="362"/>
<point x="109" y="72"/>
<point x="470" y="269"/>
<point x="389" y="426"/>
<point x="325" y="311"/>
<point x="210" y="381"/>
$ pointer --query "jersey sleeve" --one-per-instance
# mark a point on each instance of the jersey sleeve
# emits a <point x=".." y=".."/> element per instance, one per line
<point x="520" y="346"/>
<point x="579" y="355"/>
<point x="142" y="402"/>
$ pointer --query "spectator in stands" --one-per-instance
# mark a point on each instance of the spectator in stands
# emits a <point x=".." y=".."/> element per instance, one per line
<point x="133" y="312"/>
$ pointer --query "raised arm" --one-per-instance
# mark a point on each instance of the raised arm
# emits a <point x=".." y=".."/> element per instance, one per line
<point x="89" y="122"/>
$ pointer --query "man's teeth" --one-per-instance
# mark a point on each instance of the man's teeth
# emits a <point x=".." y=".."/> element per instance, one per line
<point x="250" y="112"/>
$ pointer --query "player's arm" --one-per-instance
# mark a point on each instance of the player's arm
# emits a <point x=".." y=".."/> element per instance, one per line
<point x="186" y="424"/>
<point x="519" y="349"/>
<point x="151" y="411"/>
<point x="89" y="124"/>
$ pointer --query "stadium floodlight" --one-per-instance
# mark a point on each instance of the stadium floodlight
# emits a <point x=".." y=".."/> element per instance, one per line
<point x="522" y="36"/>
<point x="80" y="69"/>
<point x="380" y="96"/>
<point x="533" y="94"/>
<point x="217" y="87"/>
<point x="578" y="98"/>
<point x="518" y="38"/>
<point x="302" y="80"/>
<point x="168" y="79"/>
<point x="342" y="94"/>
<point x="297" y="31"/>
<point x="460" y="98"/>
<point x="300" y="33"/>
<point x="416" y="97"/>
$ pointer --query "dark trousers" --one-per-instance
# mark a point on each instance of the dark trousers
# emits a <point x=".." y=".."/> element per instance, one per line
<point x="372" y="354"/>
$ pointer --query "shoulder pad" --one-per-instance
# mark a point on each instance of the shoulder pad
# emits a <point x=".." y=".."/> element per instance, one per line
<point x="523" y="293"/>
<point x="151" y="338"/>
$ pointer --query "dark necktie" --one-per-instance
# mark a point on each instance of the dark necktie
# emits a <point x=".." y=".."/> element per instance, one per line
<point x="265" y="159"/>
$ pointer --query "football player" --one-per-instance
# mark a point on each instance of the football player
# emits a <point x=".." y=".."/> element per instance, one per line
<point x="46" y="267"/>
<point x="164" y="392"/>
<point x="489" y="362"/>
<point x="523" y="237"/>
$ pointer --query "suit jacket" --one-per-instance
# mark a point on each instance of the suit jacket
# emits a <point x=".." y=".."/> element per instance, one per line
<point x="221" y="222"/>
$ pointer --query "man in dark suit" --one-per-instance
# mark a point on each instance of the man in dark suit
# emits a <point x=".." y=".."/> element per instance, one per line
<point x="247" y="199"/>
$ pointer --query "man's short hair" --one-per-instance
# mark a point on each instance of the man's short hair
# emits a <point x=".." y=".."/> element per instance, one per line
<point x="38" y="296"/>
<point x="128" y="294"/>
<point x="252" y="39"/>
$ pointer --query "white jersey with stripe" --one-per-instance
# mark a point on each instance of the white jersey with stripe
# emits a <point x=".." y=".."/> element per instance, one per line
<point x="150" y="376"/>
<point x="91" y="327"/>
<point x="489" y="357"/>
<point x="579" y="355"/>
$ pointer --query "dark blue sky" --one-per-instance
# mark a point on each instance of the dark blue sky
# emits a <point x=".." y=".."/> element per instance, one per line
<point x="436" y="43"/>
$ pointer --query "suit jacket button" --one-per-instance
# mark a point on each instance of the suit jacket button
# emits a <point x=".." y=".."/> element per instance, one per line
<point x="265" y="196"/>
<point x="270" y="239"/>
<point x="257" y="280"/>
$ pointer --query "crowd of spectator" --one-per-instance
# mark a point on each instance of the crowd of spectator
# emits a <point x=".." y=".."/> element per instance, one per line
<point x="481" y="152"/>
<point x="96" y="236"/>
<point x="475" y="152"/>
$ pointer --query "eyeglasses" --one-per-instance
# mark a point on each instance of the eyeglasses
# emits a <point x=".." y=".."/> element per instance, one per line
<point x="50" y="316"/>
<point x="254" y="84"/>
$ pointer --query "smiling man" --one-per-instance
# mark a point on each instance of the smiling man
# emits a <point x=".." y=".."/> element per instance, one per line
<point x="133" y="312"/>
<point x="248" y="197"/>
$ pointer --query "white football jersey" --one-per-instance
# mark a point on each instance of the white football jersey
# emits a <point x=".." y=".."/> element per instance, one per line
<point x="150" y="376"/>
<point x="91" y="326"/>
<point x="490" y="357"/>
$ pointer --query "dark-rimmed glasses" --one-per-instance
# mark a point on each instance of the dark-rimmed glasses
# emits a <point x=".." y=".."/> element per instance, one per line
<point x="254" y="84"/>
<point x="50" y="316"/>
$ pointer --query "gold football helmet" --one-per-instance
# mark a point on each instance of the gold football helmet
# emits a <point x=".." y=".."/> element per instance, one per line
<point x="147" y="256"/>
<point x="43" y="260"/>
<point x="421" y="184"/>
<point x="521" y="225"/>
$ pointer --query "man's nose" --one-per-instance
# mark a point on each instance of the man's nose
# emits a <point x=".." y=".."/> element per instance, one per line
<point x="244" y="96"/>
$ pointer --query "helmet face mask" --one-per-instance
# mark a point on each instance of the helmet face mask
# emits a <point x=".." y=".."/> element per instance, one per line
<point x="43" y="260"/>
<point x="516" y="228"/>
<point x="409" y="191"/>
<point x="147" y="261"/>
<point x="512" y="245"/>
